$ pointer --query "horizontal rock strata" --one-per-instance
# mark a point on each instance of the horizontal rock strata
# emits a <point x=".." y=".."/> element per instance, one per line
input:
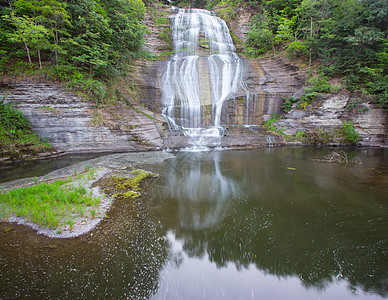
<point x="71" y="124"/>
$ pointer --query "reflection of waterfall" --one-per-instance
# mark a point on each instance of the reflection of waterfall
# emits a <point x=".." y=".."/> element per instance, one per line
<point x="204" y="192"/>
<point x="204" y="72"/>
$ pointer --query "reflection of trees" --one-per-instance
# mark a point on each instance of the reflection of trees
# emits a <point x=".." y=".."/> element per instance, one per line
<point x="313" y="254"/>
<point x="122" y="260"/>
<point x="311" y="223"/>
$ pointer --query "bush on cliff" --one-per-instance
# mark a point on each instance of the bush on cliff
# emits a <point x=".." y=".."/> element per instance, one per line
<point x="16" y="135"/>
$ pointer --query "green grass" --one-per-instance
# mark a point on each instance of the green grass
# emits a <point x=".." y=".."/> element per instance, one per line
<point x="50" y="204"/>
<point x="141" y="112"/>
<point x="16" y="135"/>
<point x="18" y="143"/>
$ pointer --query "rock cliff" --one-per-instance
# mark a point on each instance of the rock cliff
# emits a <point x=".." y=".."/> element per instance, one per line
<point x="71" y="124"/>
<point x="330" y="111"/>
<point x="278" y="78"/>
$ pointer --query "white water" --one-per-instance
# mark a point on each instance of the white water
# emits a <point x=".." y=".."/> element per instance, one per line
<point x="200" y="38"/>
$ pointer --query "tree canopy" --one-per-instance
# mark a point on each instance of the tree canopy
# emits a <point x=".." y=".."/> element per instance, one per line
<point x="81" y="39"/>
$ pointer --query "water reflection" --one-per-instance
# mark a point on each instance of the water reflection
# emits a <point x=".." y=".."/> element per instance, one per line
<point x="282" y="213"/>
<point x="121" y="259"/>
<point x="35" y="168"/>
<point x="202" y="189"/>
<point x="269" y="224"/>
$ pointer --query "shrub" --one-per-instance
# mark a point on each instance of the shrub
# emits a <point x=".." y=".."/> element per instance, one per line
<point x="91" y="86"/>
<point x="318" y="136"/>
<point x="296" y="49"/>
<point x="287" y="105"/>
<point x="379" y="88"/>
<point x="11" y="119"/>
<point x="307" y="98"/>
<point x="349" y="133"/>
<point x="269" y="124"/>
<point x="320" y="84"/>
<point x="299" y="135"/>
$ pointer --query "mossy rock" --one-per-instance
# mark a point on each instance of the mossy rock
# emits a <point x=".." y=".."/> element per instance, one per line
<point x="126" y="187"/>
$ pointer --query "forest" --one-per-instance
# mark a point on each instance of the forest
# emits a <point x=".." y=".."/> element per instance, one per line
<point x="86" y="43"/>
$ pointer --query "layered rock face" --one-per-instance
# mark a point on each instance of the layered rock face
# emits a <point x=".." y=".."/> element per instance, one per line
<point x="271" y="79"/>
<point x="73" y="125"/>
<point x="267" y="81"/>
<point x="330" y="111"/>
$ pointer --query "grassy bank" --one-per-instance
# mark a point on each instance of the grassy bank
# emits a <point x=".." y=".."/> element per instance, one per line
<point x="52" y="205"/>
<point x="17" y="139"/>
<point x="69" y="204"/>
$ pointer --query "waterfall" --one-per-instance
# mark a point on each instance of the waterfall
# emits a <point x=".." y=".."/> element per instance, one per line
<point x="204" y="72"/>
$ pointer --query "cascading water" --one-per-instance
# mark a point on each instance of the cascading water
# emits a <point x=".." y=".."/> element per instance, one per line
<point x="204" y="72"/>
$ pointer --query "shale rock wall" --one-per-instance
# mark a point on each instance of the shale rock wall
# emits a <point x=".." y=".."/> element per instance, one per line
<point x="71" y="124"/>
<point x="330" y="111"/>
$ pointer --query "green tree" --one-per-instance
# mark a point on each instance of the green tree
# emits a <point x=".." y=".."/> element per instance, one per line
<point x="125" y="21"/>
<point x="284" y="32"/>
<point x="32" y="36"/>
<point x="50" y="13"/>
<point x="261" y="38"/>
<point x="89" y="46"/>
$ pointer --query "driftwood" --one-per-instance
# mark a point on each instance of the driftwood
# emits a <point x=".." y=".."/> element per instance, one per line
<point x="338" y="157"/>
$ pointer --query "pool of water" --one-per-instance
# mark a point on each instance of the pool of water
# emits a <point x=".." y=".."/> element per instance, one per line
<point x="265" y="224"/>
<point x="35" y="168"/>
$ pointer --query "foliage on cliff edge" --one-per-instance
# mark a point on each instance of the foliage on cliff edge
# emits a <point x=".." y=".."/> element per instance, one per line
<point x="84" y="43"/>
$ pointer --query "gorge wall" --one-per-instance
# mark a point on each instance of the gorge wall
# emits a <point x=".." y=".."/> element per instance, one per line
<point x="72" y="124"/>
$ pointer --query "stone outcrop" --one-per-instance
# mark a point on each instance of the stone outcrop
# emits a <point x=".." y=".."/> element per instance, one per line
<point x="371" y="125"/>
<point x="71" y="124"/>
<point x="146" y="77"/>
<point x="272" y="79"/>
<point x="330" y="111"/>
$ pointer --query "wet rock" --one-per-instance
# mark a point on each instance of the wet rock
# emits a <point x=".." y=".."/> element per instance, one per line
<point x="371" y="124"/>
<point x="273" y="78"/>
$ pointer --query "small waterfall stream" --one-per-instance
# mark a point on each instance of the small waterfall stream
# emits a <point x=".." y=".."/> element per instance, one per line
<point x="204" y="72"/>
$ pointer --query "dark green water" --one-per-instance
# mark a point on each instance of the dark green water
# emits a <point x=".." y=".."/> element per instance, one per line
<point x="266" y="224"/>
<point x="9" y="172"/>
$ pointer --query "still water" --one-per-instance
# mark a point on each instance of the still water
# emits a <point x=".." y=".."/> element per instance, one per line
<point x="25" y="169"/>
<point x="266" y="224"/>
